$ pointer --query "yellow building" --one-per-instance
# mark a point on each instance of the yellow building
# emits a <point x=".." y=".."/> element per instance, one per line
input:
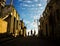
<point x="23" y="29"/>
<point x="15" y="21"/>
<point x="3" y="26"/>
<point x="10" y="15"/>
<point x="12" y="18"/>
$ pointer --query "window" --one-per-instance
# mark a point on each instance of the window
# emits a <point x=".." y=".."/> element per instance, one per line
<point x="50" y="19"/>
<point x="58" y="14"/>
<point x="17" y="25"/>
<point x="50" y="7"/>
<point x="46" y="30"/>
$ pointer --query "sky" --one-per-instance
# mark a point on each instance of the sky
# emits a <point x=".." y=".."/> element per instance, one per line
<point x="30" y="11"/>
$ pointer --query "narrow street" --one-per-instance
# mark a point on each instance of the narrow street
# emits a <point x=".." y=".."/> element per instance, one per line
<point x="29" y="22"/>
<point x="29" y="41"/>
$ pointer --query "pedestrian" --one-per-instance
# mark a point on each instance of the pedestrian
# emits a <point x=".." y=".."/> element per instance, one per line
<point x="34" y="33"/>
<point x="31" y="32"/>
<point x="28" y="33"/>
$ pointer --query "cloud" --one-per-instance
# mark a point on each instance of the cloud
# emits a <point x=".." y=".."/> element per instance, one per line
<point x="33" y="9"/>
<point x="31" y="16"/>
<point x="34" y="24"/>
<point x="31" y="25"/>
<point x="39" y="5"/>
<point x="26" y="22"/>
<point x="27" y="1"/>
<point x="36" y="0"/>
<point x="36" y="16"/>
<point x="23" y="8"/>
<point x="25" y="5"/>
<point x="32" y="5"/>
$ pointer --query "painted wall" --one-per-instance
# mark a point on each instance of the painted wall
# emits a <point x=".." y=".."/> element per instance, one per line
<point x="3" y="26"/>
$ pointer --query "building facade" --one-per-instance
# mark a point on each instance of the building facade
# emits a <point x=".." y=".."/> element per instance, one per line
<point x="41" y="26"/>
<point x="3" y="26"/>
<point x="23" y="29"/>
<point x="2" y="5"/>
<point x="51" y="22"/>
<point x="11" y="18"/>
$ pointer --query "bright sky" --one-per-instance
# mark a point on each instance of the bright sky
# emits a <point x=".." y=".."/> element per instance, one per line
<point x="29" y="11"/>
